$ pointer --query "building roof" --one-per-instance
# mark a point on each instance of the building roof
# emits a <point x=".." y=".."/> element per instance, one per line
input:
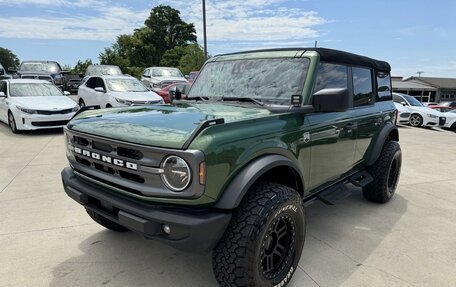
<point x="445" y="83"/>
<point x="411" y="85"/>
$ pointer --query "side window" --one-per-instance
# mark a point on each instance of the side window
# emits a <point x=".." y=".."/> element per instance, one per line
<point x="362" y="87"/>
<point x="3" y="87"/>
<point x="146" y="72"/>
<point x="100" y="83"/>
<point x="398" y="99"/>
<point x="91" y="83"/>
<point x="383" y="87"/>
<point x="331" y="76"/>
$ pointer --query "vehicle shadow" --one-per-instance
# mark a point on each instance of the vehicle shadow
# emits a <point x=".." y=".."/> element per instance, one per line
<point x="350" y="230"/>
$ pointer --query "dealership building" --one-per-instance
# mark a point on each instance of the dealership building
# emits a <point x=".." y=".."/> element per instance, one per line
<point x="426" y="89"/>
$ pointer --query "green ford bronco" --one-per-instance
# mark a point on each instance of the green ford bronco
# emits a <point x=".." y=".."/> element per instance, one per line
<point x="231" y="168"/>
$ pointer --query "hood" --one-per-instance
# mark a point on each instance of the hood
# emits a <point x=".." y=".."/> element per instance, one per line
<point x="137" y="96"/>
<point x="37" y="73"/>
<point x="171" y="79"/>
<point x="44" y="103"/>
<point x="162" y="125"/>
<point x="425" y="110"/>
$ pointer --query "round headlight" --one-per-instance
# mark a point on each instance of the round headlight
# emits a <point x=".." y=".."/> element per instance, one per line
<point x="176" y="173"/>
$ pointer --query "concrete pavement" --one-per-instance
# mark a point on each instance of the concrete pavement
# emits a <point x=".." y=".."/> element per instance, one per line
<point x="47" y="239"/>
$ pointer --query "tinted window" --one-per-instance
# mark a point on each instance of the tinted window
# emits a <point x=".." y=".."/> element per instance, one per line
<point x="362" y="87"/>
<point x="3" y="87"/>
<point x="383" y="87"/>
<point x="100" y="84"/>
<point x="331" y="76"/>
<point x="398" y="99"/>
<point x="91" y="82"/>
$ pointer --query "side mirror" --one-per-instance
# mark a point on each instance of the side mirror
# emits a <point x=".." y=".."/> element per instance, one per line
<point x="331" y="100"/>
<point x="2" y="95"/>
<point x="66" y="93"/>
<point x="171" y="95"/>
<point x="100" y="89"/>
<point x="12" y="70"/>
<point x="403" y="103"/>
<point x="2" y="71"/>
<point x="178" y="94"/>
<point x="187" y="76"/>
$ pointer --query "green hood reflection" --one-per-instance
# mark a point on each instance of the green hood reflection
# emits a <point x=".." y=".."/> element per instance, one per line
<point x="161" y="126"/>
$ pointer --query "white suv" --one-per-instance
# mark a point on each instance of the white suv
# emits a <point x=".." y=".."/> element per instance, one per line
<point x="159" y="77"/>
<point x="114" y="91"/>
<point x="419" y="114"/>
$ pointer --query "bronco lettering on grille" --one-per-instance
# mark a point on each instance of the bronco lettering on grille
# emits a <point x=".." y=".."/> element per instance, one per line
<point x="106" y="159"/>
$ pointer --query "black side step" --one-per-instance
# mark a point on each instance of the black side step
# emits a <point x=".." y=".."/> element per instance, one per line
<point x="334" y="194"/>
<point x="361" y="179"/>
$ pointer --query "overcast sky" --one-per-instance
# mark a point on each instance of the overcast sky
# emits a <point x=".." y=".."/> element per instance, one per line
<point x="412" y="35"/>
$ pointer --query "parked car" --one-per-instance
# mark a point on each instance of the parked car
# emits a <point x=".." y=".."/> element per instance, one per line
<point x="192" y="76"/>
<point x="419" y="114"/>
<point x="34" y="104"/>
<point x="114" y="91"/>
<point x="160" y="77"/>
<point x="451" y="120"/>
<point x="442" y="109"/>
<point x="50" y="71"/>
<point x="72" y="84"/>
<point x="403" y="114"/>
<point x="3" y="74"/>
<point x="181" y="87"/>
<point x="93" y="70"/>
<point x="448" y="104"/>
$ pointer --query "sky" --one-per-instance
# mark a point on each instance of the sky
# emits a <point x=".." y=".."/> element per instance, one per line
<point x="412" y="35"/>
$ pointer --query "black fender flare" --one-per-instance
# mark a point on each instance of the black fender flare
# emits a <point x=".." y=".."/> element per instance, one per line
<point x="238" y="187"/>
<point x="381" y="139"/>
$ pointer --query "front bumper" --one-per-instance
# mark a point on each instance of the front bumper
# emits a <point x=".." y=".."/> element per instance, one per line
<point x="191" y="230"/>
<point x="33" y="121"/>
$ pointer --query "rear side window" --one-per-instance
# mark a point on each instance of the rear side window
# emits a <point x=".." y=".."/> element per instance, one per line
<point x="383" y="87"/>
<point x="331" y="76"/>
<point x="362" y="87"/>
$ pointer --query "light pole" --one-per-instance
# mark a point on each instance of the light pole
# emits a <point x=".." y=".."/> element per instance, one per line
<point x="204" y="29"/>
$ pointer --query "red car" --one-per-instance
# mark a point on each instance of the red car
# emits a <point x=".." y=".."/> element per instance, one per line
<point x="442" y="109"/>
<point x="164" y="93"/>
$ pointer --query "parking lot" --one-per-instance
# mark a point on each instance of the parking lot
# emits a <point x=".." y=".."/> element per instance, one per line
<point x="47" y="239"/>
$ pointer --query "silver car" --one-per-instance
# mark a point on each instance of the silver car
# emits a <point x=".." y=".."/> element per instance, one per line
<point x="160" y="77"/>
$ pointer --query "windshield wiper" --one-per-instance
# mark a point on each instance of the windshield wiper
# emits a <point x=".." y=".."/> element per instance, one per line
<point x="196" y="98"/>
<point x="243" y="99"/>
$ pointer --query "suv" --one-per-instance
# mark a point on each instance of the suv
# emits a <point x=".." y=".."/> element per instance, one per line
<point x="229" y="169"/>
<point x="160" y="77"/>
<point x="3" y="74"/>
<point x="50" y="71"/>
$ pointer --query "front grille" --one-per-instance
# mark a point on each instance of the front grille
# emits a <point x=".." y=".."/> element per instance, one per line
<point x="60" y="112"/>
<point x="404" y="115"/>
<point x="442" y="121"/>
<point x="28" y="77"/>
<point x="49" y="124"/>
<point x="46" y="78"/>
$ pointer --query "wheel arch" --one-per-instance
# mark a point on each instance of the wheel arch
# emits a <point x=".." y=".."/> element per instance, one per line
<point x="388" y="133"/>
<point x="274" y="168"/>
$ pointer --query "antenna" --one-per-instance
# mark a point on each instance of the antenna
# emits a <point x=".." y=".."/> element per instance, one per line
<point x="316" y="42"/>
<point x="419" y="73"/>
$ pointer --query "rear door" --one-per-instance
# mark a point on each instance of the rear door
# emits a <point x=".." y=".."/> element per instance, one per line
<point x="3" y="106"/>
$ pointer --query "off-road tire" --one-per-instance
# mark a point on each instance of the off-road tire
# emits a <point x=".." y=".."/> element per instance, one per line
<point x="255" y="232"/>
<point x="12" y="123"/>
<point x="81" y="103"/>
<point x="385" y="171"/>
<point x="111" y="225"/>
<point x="417" y="120"/>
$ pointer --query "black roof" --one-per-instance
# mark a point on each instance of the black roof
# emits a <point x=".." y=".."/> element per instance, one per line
<point x="335" y="56"/>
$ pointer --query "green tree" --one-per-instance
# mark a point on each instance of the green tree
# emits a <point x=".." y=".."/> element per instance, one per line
<point x="193" y="59"/>
<point x="172" y="57"/>
<point x="8" y="59"/>
<point x="80" y="67"/>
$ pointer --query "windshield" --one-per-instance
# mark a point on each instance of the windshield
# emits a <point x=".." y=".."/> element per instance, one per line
<point x="452" y="111"/>
<point x="125" y="85"/>
<point x="103" y="70"/>
<point x="168" y="72"/>
<point x="40" y="67"/>
<point x="412" y="101"/>
<point x="33" y="90"/>
<point x="269" y="80"/>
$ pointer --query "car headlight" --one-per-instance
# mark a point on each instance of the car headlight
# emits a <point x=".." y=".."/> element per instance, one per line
<point x="432" y="116"/>
<point x="27" y="111"/>
<point x="75" y="109"/>
<point x="123" y="102"/>
<point x="176" y="173"/>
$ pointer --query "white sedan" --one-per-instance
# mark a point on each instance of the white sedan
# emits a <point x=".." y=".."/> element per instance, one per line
<point x="403" y="114"/>
<point x="450" y="120"/>
<point x="115" y="91"/>
<point x="34" y="104"/>
<point x="420" y="116"/>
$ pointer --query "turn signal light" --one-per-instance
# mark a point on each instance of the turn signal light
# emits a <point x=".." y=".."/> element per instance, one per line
<point x="202" y="173"/>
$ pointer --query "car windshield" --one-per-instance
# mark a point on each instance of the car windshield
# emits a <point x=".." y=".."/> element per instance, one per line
<point x="125" y="85"/>
<point x="40" y="67"/>
<point x="33" y="90"/>
<point x="272" y="81"/>
<point x="103" y="70"/>
<point x="168" y="72"/>
<point x="412" y="101"/>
